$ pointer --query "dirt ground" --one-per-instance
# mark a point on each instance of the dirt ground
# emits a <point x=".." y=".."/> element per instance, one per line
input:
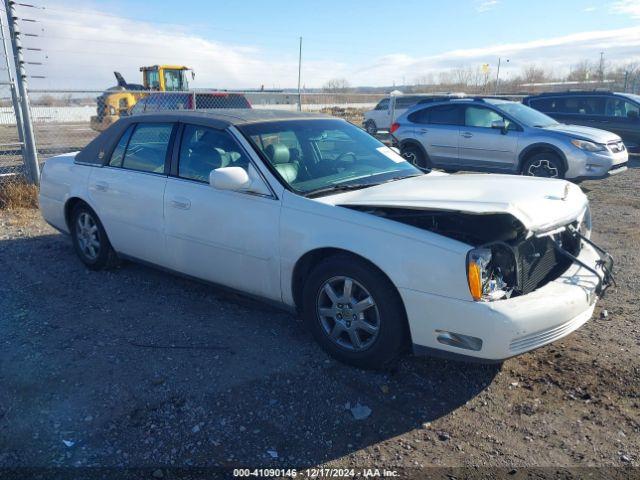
<point x="141" y="369"/>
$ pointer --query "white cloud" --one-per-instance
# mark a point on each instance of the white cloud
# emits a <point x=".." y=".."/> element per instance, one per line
<point x="556" y="54"/>
<point x="486" y="5"/>
<point x="589" y="9"/>
<point x="83" y="49"/>
<point x="627" y="7"/>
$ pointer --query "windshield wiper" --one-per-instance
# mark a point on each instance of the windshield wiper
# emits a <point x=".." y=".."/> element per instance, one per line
<point x="338" y="188"/>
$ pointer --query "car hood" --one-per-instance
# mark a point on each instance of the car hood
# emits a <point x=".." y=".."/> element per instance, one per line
<point x="585" y="133"/>
<point x="540" y="204"/>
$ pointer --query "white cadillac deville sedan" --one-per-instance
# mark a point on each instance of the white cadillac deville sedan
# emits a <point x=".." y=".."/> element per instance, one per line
<point x="314" y="214"/>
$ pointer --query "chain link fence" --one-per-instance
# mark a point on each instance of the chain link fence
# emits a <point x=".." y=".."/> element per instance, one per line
<point x="66" y="120"/>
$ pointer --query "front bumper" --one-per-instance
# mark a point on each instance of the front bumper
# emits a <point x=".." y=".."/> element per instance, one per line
<point x="508" y="327"/>
<point x="583" y="165"/>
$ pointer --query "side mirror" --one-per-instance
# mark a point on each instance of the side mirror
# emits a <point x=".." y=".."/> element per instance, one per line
<point x="500" y="125"/>
<point x="237" y="179"/>
<point x="229" y="178"/>
<point x="632" y="115"/>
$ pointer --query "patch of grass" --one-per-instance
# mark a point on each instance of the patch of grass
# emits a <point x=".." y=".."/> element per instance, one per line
<point x="18" y="194"/>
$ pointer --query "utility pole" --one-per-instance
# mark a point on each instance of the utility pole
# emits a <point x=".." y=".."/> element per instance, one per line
<point x="498" y="75"/>
<point x="15" y="99"/>
<point x="299" y="76"/>
<point x="31" y="158"/>
<point x="601" y="67"/>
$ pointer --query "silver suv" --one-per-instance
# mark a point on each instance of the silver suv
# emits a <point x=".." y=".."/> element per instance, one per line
<point x="495" y="135"/>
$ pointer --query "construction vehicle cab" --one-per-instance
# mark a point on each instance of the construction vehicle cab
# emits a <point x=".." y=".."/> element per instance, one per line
<point x="117" y="101"/>
<point x="165" y="78"/>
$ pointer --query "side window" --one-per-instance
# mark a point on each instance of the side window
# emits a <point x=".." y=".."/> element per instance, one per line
<point x="445" y="115"/>
<point x="405" y="102"/>
<point x="544" y="104"/>
<point x="147" y="147"/>
<point x="420" y="116"/>
<point x="383" y="105"/>
<point x="118" y="153"/>
<point x="569" y="105"/>
<point x="204" y="149"/>
<point x="480" y="117"/>
<point x="617" y="107"/>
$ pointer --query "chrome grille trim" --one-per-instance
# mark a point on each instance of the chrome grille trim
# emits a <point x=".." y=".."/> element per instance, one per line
<point x="543" y="337"/>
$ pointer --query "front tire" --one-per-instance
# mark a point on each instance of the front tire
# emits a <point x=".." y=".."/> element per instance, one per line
<point x="354" y="312"/>
<point x="371" y="128"/>
<point x="415" y="156"/>
<point x="90" y="239"/>
<point x="545" y="165"/>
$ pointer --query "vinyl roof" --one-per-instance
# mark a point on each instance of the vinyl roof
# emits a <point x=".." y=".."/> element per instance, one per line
<point x="229" y="116"/>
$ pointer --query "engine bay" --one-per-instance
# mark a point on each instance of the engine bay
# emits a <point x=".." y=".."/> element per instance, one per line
<point x="515" y="262"/>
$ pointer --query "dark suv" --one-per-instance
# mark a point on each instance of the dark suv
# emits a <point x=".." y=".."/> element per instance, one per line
<point x="616" y="112"/>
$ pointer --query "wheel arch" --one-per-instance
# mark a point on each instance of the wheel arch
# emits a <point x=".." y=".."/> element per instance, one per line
<point x="307" y="262"/>
<point x="412" y="141"/>
<point x="70" y="204"/>
<point x="541" y="147"/>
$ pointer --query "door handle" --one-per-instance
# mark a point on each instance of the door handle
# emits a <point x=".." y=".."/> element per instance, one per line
<point x="101" y="186"/>
<point x="467" y="134"/>
<point x="181" y="203"/>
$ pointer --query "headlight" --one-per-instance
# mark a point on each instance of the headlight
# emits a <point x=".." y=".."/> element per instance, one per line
<point x="584" y="227"/>
<point x="588" y="146"/>
<point x="486" y="283"/>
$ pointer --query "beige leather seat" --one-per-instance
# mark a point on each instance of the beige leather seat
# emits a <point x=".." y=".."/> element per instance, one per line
<point x="280" y="158"/>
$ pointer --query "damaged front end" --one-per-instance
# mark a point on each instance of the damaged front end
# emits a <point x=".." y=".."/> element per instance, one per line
<point x="507" y="260"/>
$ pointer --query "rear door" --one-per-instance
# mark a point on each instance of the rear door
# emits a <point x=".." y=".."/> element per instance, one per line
<point x="438" y="129"/>
<point x="623" y="118"/>
<point x="482" y="147"/>
<point x="128" y="192"/>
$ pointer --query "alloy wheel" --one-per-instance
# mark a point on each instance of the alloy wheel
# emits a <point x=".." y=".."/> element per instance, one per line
<point x="348" y="313"/>
<point x="543" y="168"/>
<point x="88" y="236"/>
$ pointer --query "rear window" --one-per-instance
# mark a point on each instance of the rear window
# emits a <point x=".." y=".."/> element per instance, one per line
<point x="204" y="100"/>
<point x="147" y="147"/>
<point x="440" y="115"/>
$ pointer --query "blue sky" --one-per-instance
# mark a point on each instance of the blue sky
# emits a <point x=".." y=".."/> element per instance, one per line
<point x="250" y="43"/>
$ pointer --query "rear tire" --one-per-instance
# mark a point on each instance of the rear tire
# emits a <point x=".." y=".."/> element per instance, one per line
<point x="415" y="156"/>
<point x="354" y="312"/>
<point x="371" y="128"/>
<point x="545" y="165"/>
<point x="90" y="239"/>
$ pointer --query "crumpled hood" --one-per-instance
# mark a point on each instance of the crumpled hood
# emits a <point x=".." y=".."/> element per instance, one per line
<point x="540" y="204"/>
<point x="585" y="133"/>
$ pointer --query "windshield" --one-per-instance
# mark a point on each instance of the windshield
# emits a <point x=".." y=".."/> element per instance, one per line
<point x="326" y="154"/>
<point x="523" y="114"/>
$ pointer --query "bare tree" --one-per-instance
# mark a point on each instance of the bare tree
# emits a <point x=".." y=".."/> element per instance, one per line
<point x="336" y="85"/>
<point x="534" y="74"/>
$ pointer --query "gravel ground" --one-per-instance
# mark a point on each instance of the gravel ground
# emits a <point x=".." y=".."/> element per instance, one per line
<point x="138" y="368"/>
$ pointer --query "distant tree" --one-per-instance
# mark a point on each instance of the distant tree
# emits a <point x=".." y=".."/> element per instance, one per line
<point x="534" y="74"/>
<point x="336" y="85"/>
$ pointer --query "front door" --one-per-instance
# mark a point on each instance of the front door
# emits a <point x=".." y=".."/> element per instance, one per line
<point x="482" y="147"/>
<point x="226" y="237"/>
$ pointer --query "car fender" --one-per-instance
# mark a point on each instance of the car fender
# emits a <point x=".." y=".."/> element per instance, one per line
<point x="411" y="258"/>
<point x="524" y="153"/>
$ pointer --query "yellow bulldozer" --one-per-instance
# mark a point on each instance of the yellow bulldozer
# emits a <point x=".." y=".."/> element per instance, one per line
<point x="118" y="100"/>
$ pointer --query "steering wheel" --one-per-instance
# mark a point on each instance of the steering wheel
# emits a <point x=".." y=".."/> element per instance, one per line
<point x="341" y="159"/>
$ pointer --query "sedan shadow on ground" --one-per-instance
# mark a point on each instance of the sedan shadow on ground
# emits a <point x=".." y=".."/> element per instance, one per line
<point x="137" y="367"/>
